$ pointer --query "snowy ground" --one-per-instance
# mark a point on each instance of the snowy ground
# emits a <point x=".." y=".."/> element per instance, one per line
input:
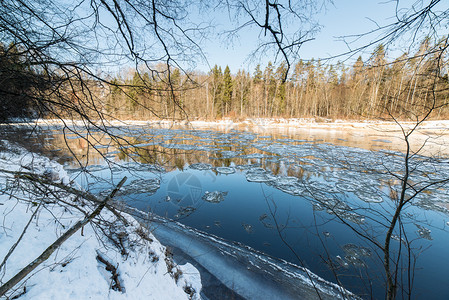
<point x="267" y="123"/>
<point x="77" y="270"/>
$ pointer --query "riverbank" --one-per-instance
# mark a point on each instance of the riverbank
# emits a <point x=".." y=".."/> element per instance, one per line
<point x="77" y="265"/>
<point x="108" y="258"/>
<point x="284" y="151"/>
<point x="312" y="123"/>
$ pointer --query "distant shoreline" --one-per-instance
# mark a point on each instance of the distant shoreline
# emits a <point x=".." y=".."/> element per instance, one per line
<point x="433" y="134"/>
<point x="305" y="123"/>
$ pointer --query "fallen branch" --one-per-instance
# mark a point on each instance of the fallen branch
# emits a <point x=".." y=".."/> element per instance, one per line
<point x="45" y="181"/>
<point x="115" y="284"/>
<point x="46" y="254"/>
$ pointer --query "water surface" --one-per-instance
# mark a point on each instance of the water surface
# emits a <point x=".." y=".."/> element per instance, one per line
<point x="321" y="200"/>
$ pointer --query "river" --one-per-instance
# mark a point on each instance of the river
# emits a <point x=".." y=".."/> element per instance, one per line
<point x="320" y="198"/>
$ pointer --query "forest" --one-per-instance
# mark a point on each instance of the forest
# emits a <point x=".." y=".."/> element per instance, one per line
<point x="97" y="61"/>
<point x="375" y="88"/>
<point x="378" y="87"/>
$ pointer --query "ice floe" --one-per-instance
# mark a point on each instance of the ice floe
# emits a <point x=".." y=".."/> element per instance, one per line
<point x="137" y="186"/>
<point x="259" y="175"/>
<point x="214" y="197"/>
<point x="370" y="197"/>
<point x="225" y="170"/>
<point x="201" y="166"/>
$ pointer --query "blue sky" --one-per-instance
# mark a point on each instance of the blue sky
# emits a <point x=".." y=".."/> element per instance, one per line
<point x="345" y="17"/>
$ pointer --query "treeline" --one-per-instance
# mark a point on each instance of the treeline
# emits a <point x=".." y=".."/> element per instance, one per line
<point x="378" y="87"/>
<point x="19" y="84"/>
<point x="403" y="87"/>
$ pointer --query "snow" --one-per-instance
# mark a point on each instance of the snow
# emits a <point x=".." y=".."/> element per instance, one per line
<point x="145" y="271"/>
<point x="258" y="122"/>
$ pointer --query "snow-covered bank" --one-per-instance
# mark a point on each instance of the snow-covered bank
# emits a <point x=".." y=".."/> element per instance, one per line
<point x="77" y="270"/>
<point x="258" y="122"/>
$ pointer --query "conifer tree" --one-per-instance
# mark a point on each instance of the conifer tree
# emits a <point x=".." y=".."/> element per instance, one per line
<point x="217" y="87"/>
<point x="227" y="90"/>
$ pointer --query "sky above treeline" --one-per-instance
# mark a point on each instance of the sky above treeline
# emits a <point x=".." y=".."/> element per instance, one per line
<point x="343" y="18"/>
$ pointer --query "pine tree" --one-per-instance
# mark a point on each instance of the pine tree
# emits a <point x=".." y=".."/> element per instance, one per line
<point x="257" y="77"/>
<point x="270" y="89"/>
<point x="281" y="103"/>
<point x="227" y="90"/>
<point x="217" y="87"/>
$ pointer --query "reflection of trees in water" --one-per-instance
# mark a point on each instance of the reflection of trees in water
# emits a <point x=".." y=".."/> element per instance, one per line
<point x="342" y="184"/>
<point x="322" y="165"/>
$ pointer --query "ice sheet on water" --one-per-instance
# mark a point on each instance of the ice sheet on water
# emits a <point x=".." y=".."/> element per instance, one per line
<point x="369" y="197"/>
<point x="225" y="170"/>
<point x="430" y="202"/>
<point x="137" y="186"/>
<point x="322" y="185"/>
<point x="346" y="186"/>
<point x="294" y="189"/>
<point x="247" y="167"/>
<point x="214" y="197"/>
<point x="288" y="184"/>
<point x="201" y="166"/>
<point x="113" y="167"/>
<point x="259" y="175"/>
<point x="341" y="262"/>
<point x="136" y="166"/>
<point x="251" y="274"/>
<point x="180" y="146"/>
<point x="255" y="156"/>
<point x="207" y="148"/>
<point x="153" y="143"/>
<point x="398" y="238"/>
<point x="278" y="149"/>
<point x="286" y="140"/>
<point x="247" y="137"/>
<point x="317" y="206"/>
<point x="228" y="154"/>
<point x="285" y="180"/>
<point x="96" y="168"/>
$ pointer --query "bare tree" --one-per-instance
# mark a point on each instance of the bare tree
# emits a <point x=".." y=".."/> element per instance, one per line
<point x="67" y="53"/>
<point x="409" y="172"/>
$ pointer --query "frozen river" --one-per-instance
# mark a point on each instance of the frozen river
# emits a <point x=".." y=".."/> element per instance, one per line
<point x="321" y="200"/>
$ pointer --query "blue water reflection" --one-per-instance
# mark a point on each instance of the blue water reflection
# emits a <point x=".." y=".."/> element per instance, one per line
<point x="321" y="205"/>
